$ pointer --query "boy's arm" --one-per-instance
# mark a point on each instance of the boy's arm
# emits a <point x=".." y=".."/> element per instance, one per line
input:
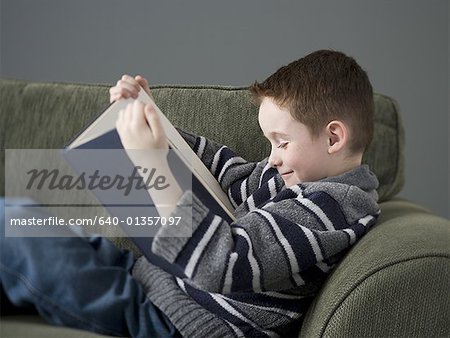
<point x="237" y="177"/>
<point x="260" y="251"/>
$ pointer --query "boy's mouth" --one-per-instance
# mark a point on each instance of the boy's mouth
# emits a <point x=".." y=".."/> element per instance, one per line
<point x="287" y="173"/>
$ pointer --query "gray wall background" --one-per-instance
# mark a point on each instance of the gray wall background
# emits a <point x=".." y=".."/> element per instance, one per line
<point x="403" y="44"/>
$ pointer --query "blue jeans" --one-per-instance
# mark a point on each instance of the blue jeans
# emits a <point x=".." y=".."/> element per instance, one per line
<point x="80" y="282"/>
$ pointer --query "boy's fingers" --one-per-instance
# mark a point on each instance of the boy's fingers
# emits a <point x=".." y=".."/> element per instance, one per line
<point x="112" y="97"/>
<point x="127" y="89"/>
<point x="117" y="93"/>
<point x="138" y="116"/>
<point x="144" y="84"/>
<point x="126" y="77"/>
<point x="129" y="79"/>
<point x="142" y="80"/>
<point x="154" y="121"/>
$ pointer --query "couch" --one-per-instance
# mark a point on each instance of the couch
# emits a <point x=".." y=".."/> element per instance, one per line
<point x="394" y="282"/>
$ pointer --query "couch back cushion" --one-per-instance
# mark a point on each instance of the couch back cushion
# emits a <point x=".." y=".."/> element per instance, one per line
<point x="49" y="115"/>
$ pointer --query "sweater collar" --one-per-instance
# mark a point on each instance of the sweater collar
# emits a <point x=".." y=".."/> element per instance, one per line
<point x="360" y="176"/>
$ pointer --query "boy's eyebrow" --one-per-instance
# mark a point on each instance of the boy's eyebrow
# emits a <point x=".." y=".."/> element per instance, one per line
<point x="277" y="133"/>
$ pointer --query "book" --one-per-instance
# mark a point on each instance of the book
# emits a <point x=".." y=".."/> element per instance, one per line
<point x="102" y="134"/>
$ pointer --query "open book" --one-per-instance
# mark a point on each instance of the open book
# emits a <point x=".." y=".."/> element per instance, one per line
<point x="102" y="134"/>
<point x="105" y="123"/>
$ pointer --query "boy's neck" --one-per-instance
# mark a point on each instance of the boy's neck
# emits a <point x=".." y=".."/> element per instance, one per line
<point x="347" y="164"/>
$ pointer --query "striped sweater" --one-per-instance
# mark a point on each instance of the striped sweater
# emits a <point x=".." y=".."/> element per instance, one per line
<point x="257" y="276"/>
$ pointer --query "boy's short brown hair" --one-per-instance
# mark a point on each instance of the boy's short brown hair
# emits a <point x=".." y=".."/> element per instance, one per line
<point x="321" y="87"/>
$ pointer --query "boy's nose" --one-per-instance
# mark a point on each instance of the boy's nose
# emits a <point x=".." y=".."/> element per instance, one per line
<point x="274" y="160"/>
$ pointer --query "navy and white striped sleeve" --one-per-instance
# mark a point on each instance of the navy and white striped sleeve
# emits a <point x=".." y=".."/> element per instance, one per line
<point x="237" y="177"/>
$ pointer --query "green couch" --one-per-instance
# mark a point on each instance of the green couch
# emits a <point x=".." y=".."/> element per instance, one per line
<point x="394" y="282"/>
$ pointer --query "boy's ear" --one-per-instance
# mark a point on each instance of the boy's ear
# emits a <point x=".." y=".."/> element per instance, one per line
<point x="337" y="134"/>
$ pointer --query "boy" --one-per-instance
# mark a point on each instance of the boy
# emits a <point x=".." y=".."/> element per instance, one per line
<point x="297" y="212"/>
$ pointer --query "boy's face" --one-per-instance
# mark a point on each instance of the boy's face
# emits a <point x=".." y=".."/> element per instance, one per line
<point x="296" y="155"/>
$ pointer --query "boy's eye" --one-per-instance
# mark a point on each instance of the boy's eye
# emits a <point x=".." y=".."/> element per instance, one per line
<point x="282" y="145"/>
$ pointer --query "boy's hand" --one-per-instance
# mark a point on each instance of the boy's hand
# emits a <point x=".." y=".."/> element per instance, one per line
<point x="128" y="87"/>
<point x="139" y="127"/>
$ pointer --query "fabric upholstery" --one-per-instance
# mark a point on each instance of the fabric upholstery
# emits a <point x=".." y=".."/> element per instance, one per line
<point x="22" y="326"/>
<point x="389" y="282"/>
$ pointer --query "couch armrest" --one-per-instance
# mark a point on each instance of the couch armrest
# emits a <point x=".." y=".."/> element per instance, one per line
<point x="394" y="282"/>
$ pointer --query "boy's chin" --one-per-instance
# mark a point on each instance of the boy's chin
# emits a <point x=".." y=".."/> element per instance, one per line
<point x="291" y="182"/>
